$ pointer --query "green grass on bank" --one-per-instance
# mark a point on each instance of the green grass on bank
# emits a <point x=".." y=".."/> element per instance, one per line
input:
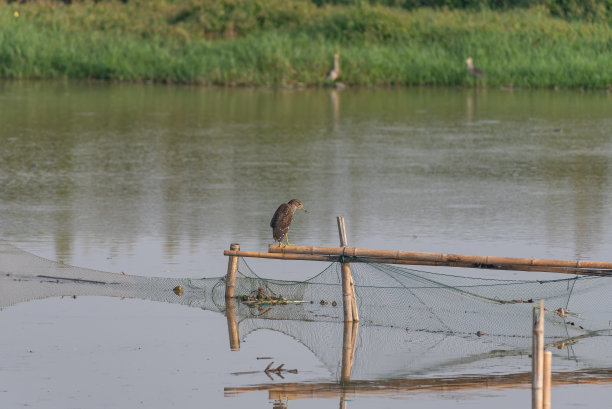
<point x="285" y="43"/>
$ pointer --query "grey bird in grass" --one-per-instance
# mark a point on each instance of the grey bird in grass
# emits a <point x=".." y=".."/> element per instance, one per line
<point x="475" y="71"/>
<point x="282" y="220"/>
<point x="334" y="73"/>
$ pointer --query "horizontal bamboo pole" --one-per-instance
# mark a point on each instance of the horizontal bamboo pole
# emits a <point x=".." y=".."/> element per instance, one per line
<point x="279" y="256"/>
<point x="330" y="258"/>
<point x="452" y="260"/>
<point x="439" y="257"/>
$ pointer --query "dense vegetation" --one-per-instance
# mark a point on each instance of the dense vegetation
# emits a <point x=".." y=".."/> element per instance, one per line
<point x="522" y="43"/>
<point x="590" y="10"/>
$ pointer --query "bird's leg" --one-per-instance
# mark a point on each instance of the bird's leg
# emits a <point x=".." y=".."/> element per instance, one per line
<point x="287" y="238"/>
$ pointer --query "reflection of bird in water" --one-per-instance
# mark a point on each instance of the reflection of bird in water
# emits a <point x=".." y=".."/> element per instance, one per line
<point x="282" y="220"/>
<point x="334" y="73"/>
<point x="475" y="71"/>
<point x="334" y="99"/>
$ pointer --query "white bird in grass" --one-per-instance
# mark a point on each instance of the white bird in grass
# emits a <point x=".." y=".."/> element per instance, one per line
<point x="334" y="73"/>
<point x="475" y="71"/>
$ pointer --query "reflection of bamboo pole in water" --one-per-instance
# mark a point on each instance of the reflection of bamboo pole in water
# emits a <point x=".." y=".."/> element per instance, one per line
<point x="280" y="403"/>
<point x="309" y="390"/>
<point x="232" y="325"/>
<point x="349" y="337"/>
<point x="469" y="104"/>
<point x="335" y="104"/>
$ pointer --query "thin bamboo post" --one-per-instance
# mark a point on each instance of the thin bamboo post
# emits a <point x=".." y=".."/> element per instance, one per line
<point x="344" y="242"/>
<point x="534" y="358"/>
<point x="232" y="325"/>
<point x="354" y="301"/>
<point x="348" y="286"/>
<point x="342" y="231"/>
<point x="537" y="356"/>
<point x="347" y="299"/>
<point x="547" y="380"/>
<point x="232" y="268"/>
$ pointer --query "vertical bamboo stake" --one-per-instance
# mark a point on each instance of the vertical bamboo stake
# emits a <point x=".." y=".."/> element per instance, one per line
<point x="347" y="302"/>
<point x="540" y="382"/>
<point x="230" y="309"/>
<point x="342" y="231"/>
<point x="232" y="268"/>
<point x="534" y="358"/>
<point x="537" y="357"/>
<point x="232" y="325"/>
<point x="348" y="287"/>
<point x="348" y="350"/>
<point x="547" y="380"/>
<point x="351" y="282"/>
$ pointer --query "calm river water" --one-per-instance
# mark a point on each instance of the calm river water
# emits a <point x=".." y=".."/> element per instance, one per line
<point x="157" y="181"/>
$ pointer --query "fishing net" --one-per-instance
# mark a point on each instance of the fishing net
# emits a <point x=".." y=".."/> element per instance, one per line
<point x="386" y="295"/>
<point x="416" y="322"/>
<point x="25" y="277"/>
<point x="411" y="321"/>
<point x="418" y="300"/>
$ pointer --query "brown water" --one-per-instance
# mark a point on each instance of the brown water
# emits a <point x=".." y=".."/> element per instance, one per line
<point x="158" y="181"/>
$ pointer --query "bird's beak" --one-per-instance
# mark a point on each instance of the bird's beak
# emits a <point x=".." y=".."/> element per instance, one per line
<point x="302" y="207"/>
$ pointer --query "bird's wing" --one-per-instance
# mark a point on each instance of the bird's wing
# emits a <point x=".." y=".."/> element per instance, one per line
<point x="277" y="214"/>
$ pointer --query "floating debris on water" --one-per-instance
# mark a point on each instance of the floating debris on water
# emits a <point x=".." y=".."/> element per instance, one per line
<point x="279" y="370"/>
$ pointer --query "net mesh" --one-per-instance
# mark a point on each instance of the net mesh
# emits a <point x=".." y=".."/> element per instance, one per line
<point x="424" y="301"/>
<point x="411" y="321"/>
<point x="387" y="295"/>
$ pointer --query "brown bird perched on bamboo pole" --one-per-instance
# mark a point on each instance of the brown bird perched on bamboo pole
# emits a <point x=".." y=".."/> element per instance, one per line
<point x="475" y="71"/>
<point x="282" y="220"/>
<point x="334" y="73"/>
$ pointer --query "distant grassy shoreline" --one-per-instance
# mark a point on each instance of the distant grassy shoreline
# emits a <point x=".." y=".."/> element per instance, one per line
<point x="291" y="44"/>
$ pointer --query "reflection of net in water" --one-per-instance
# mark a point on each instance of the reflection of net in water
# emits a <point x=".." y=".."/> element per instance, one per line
<point x="411" y="321"/>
